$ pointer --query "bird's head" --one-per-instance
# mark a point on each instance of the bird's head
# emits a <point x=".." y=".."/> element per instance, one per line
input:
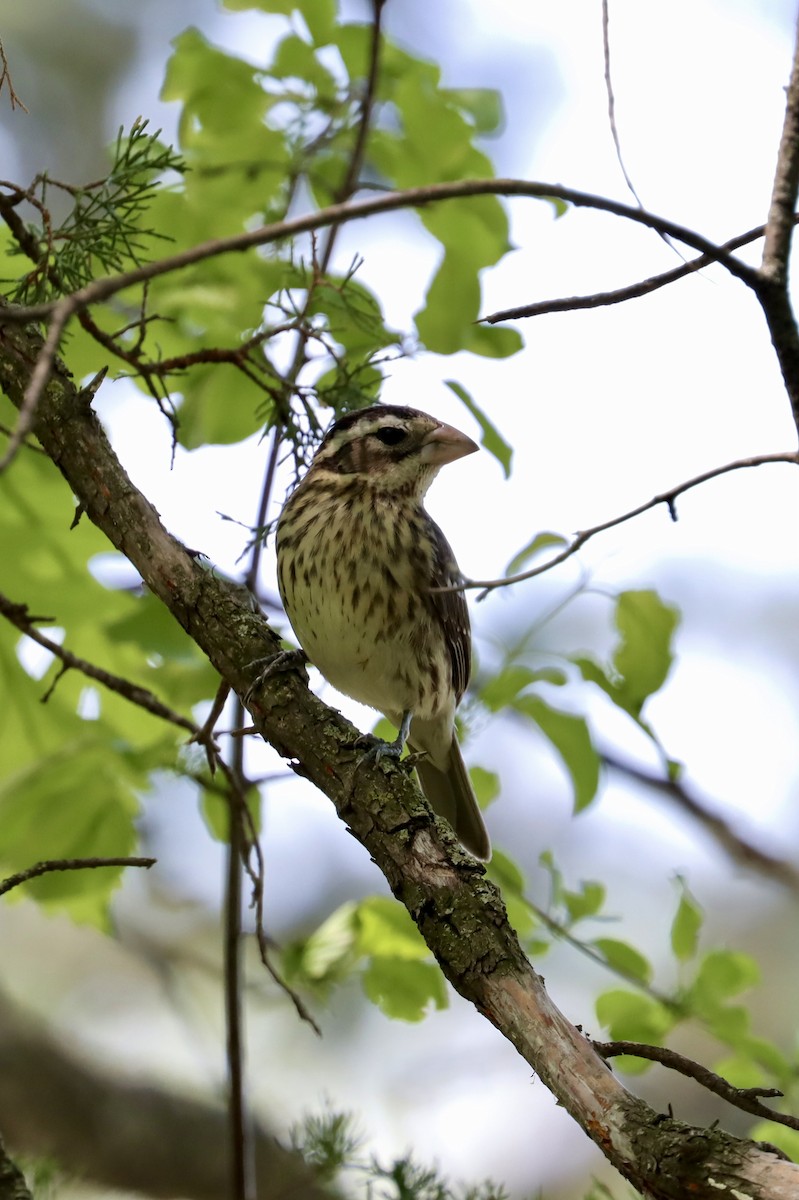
<point x="394" y="449"/>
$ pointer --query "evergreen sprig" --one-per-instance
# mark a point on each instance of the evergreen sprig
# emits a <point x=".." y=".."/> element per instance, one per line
<point x="104" y="230"/>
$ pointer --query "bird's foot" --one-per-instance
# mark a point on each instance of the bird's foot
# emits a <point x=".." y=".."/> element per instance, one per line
<point x="376" y="749"/>
<point x="277" y="664"/>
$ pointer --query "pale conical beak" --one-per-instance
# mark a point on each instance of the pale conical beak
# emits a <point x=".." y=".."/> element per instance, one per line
<point x="444" y="444"/>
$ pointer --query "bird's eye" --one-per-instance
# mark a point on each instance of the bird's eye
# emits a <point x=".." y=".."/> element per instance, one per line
<point x="390" y="435"/>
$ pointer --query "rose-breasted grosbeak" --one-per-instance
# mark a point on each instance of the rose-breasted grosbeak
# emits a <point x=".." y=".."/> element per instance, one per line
<point x="359" y="562"/>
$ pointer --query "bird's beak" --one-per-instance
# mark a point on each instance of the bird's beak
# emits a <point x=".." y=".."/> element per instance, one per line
<point x="444" y="444"/>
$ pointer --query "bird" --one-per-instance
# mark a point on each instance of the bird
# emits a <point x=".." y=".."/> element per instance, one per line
<point x="361" y="565"/>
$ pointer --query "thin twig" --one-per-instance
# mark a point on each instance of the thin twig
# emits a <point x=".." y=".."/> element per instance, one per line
<point x="596" y="956"/>
<point x="70" y="864"/>
<point x="632" y="291"/>
<point x="614" y="132"/>
<point x="19" y="616"/>
<point x="5" y="78"/>
<point x="668" y="498"/>
<point x="238" y="1112"/>
<point x="39" y="375"/>
<point x="732" y="842"/>
<point x="747" y="1099"/>
<point x="349" y="182"/>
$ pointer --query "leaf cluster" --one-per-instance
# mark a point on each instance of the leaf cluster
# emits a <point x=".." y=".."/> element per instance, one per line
<point x="105" y="228"/>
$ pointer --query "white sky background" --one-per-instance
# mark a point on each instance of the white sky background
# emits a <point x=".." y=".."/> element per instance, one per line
<point x="605" y="409"/>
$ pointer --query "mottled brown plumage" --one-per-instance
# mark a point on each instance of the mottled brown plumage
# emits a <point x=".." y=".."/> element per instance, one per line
<point x="359" y="560"/>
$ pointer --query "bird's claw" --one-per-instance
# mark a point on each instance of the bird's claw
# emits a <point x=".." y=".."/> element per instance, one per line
<point x="277" y="664"/>
<point x="376" y="749"/>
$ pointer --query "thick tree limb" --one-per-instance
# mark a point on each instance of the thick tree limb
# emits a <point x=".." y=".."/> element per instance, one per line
<point x="459" y="913"/>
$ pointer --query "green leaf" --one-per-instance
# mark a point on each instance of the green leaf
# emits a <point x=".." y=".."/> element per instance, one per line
<point x="452" y="301"/>
<point x="585" y="903"/>
<point x="778" y="1135"/>
<point x="503" y="689"/>
<point x="79" y="802"/>
<point x="404" y="990"/>
<point x="624" y="958"/>
<point x="643" y="656"/>
<point x="541" y="541"/>
<point x="215" y="811"/>
<point x="492" y="341"/>
<point x="319" y="15"/>
<point x="721" y="975"/>
<point x="483" y="105"/>
<point x="570" y="737"/>
<point x="486" y="785"/>
<point x="741" y="1072"/>
<point x="295" y="58"/>
<point x="490" y="436"/>
<point x="149" y="625"/>
<point x="631" y="1017"/>
<point x="330" y="951"/>
<point x="385" y="930"/>
<point x="686" y="925"/>
<point x="220" y="405"/>
<point x="504" y="872"/>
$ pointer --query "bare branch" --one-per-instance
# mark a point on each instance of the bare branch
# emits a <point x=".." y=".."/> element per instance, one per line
<point x="239" y="1140"/>
<point x="747" y="1099"/>
<point x="668" y="498"/>
<point x="19" y="616"/>
<point x="632" y="291"/>
<point x="61" y="311"/>
<point x="614" y="132"/>
<point x="70" y="864"/>
<point x="5" y="78"/>
<point x="781" y="219"/>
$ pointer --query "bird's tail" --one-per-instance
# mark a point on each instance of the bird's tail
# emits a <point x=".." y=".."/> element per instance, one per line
<point x="451" y="796"/>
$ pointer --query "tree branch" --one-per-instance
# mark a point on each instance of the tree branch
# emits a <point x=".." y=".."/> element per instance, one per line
<point x="61" y="311"/>
<point x="335" y="214"/>
<point x="747" y="1099"/>
<point x="459" y="913"/>
<point x="18" y="615"/>
<point x="779" y="228"/>
<point x="668" y="498"/>
<point x="631" y="291"/>
<point x="772" y="289"/>
<point x="70" y="864"/>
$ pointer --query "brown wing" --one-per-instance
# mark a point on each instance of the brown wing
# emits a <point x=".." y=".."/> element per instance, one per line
<point x="451" y="610"/>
